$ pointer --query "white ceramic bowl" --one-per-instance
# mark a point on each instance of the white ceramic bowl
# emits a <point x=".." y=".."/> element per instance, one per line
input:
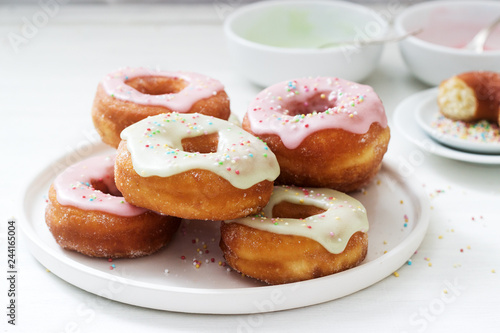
<point x="273" y="41"/>
<point x="438" y="52"/>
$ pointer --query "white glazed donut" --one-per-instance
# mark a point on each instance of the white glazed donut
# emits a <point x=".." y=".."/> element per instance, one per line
<point x="194" y="166"/>
<point x="302" y="233"/>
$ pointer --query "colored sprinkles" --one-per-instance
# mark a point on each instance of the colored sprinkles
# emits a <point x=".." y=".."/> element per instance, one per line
<point x="480" y="132"/>
<point x="157" y="149"/>
<point x="201" y="250"/>
<point x="294" y="109"/>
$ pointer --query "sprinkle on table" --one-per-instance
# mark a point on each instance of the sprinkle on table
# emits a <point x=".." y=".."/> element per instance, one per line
<point x="428" y="261"/>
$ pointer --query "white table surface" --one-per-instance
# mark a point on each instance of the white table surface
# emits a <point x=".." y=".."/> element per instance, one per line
<point x="46" y="90"/>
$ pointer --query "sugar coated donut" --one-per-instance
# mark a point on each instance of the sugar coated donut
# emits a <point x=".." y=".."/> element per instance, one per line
<point x="194" y="167"/>
<point x="303" y="233"/>
<point x="87" y="214"/>
<point x="132" y="94"/>
<point x="325" y="132"/>
<point x="471" y="96"/>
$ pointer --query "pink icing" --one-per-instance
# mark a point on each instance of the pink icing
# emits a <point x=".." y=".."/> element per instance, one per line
<point x="446" y="26"/>
<point x="73" y="188"/>
<point x="198" y="87"/>
<point x="295" y="109"/>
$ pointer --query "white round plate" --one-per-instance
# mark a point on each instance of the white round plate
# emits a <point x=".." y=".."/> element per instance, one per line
<point x="427" y="112"/>
<point x="165" y="281"/>
<point x="405" y="121"/>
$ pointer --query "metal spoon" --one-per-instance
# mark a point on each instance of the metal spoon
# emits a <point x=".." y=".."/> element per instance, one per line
<point x="477" y="43"/>
<point x="360" y="43"/>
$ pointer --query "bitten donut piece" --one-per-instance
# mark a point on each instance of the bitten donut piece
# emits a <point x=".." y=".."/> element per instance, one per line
<point x="471" y="96"/>
<point x="303" y="233"/>
<point x="87" y="214"/>
<point x="132" y="94"/>
<point x="325" y="132"/>
<point x="195" y="167"/>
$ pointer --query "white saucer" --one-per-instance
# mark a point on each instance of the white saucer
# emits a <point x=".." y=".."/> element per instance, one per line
<point x="426" y="114"/>
<point x="166" y="281"/>
<point x="404" y="119"/>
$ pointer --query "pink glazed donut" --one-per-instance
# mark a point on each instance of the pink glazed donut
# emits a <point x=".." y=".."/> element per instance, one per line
<point x="325" y="131"/>
<point x="132" y="94"/>
<point x="86" y="213"/>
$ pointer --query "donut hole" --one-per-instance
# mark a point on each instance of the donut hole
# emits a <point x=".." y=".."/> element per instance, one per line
<point x="203" y="144"/>
<point x="157" y="85"/>
<point x="104" y="187"/>
<point x="288" y="210"/>
<point x="319" y="102"/>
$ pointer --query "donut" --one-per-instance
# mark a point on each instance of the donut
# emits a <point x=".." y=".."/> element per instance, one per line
<point x="325" y="132"/>
<point x="132" y="94"/>
<point x="471" y="96"/>
<point x="86" y="213"/>
<point x="303" y="233"/>
<point x="194" y="167"/>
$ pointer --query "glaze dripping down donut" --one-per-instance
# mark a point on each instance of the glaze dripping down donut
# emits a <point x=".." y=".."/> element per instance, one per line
<point x="295" y="109"/>
<point x="302" y="233"/>
<point x="325" y="132"/>
<point x="194" y="166"/>
<point x="86" y="213"/>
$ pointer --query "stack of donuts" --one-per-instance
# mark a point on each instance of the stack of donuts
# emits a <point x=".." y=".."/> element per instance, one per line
<point x="278" y="183"/>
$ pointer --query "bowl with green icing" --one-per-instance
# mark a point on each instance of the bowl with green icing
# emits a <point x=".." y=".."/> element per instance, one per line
<point x="273" y="41"/>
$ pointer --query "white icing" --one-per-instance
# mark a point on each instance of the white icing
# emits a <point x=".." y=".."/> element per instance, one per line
<point x="343" y="216"/>
<point x="155" y="145"/>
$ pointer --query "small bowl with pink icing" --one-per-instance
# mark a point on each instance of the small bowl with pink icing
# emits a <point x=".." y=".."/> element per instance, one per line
<point x="438" y="52"/>
<point x="274" y="41"/>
